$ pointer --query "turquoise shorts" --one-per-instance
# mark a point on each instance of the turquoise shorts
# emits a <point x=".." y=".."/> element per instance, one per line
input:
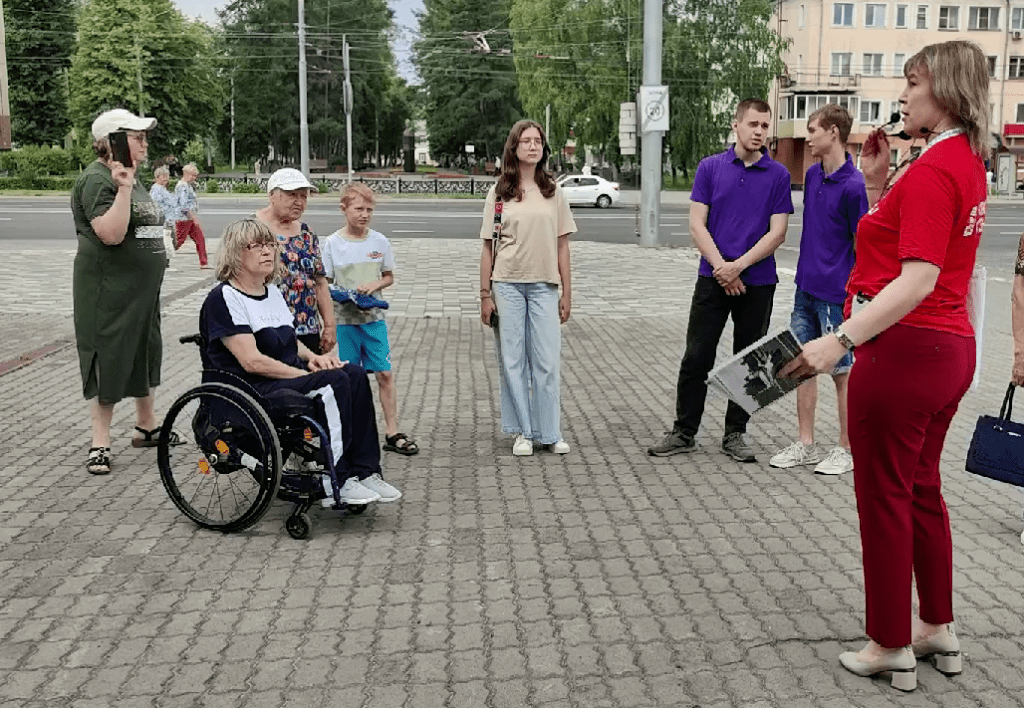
<point x="365" y="345"/>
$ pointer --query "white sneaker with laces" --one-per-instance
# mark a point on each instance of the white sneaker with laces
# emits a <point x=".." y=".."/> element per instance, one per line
<point x="354" y="492"/>
<point x="560" y="448"/>
<point x="522" y="447"/>
<point x="839" y="460"/>
<point x="795" y="454"/>
<point x="376" y="483"/>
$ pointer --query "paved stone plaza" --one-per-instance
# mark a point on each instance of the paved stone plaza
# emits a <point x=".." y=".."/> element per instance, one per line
<point x="604" y="578"/>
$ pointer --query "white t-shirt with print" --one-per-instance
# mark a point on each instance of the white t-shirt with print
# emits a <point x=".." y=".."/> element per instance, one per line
<point x="353" y="262"/>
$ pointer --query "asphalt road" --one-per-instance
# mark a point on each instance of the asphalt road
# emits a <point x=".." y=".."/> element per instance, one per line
<point x="49" y="218"/>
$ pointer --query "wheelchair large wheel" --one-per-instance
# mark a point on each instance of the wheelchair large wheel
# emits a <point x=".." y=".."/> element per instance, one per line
<point x="225" y="473"/>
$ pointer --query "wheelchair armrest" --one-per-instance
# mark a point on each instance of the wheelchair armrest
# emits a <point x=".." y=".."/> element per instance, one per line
<point x="196" y="339"/>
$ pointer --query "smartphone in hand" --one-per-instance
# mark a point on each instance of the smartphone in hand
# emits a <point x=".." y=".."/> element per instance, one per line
<point x="119" y="147"/>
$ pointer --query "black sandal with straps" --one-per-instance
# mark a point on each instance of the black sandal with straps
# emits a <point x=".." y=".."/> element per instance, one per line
<point x="99" y="460"/>
<point x="400" y="443"/>
<point x="150" y="438"/>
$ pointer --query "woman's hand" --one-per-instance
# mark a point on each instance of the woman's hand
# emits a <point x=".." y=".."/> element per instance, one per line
<point x="564" y="307"/>
<point x="122" y="176"/>
<point x="323" y="362"/>
<point x="874" y="159"/>
<point x="818" y="356"/>
<point x="328" y="338"/>
<point x="487" y="309"/>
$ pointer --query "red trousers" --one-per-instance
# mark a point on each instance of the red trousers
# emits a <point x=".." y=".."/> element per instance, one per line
<point x="187" y="228"/>
<point x="905" y="387"/>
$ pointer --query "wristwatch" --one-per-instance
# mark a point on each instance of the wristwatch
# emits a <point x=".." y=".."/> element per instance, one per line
<point x="844" y="339"/>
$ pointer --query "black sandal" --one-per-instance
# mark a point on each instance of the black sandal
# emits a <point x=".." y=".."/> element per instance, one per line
<point x="400" y="443"/>
<point x="99" y="460"/>
<point x="150" y="438"/>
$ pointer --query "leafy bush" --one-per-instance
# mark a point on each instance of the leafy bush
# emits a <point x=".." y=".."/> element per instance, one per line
<point x="246" y="188"/>
<point x="212" y="186"/>
<point x="38" y="160"/>
<point x="322" y="186"/>
<point x="37" y="183"/>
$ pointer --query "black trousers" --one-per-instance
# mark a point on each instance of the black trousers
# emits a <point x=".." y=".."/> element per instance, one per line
<point x="709" y="311"/>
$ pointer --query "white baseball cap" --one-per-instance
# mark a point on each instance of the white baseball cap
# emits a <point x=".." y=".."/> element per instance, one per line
<point x="119" y="119"/>
<point x="287" y="179"/>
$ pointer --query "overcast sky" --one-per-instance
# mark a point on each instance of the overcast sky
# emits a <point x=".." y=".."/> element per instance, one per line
<point x="207" y="10"/>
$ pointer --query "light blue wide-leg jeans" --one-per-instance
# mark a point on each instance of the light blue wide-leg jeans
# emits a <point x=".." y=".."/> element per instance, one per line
<point x="528" y="343"/>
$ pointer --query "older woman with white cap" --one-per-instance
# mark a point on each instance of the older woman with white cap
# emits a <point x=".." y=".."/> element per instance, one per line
<point x="304" y="283"/>
<point x="116" y="287"/>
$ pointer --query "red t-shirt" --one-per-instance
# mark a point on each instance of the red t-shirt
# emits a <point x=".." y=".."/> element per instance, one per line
<point x="935" y="213"/>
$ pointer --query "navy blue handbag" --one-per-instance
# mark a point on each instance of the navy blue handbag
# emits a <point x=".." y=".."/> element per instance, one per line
<point x="997" y="448"/>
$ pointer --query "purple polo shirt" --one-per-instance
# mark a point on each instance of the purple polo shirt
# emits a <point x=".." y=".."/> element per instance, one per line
<point x="741" y="202"/>
<point x="833" y="204"/>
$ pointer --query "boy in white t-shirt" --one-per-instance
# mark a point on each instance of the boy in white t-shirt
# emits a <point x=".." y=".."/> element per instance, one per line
<point x="358" y="258"/>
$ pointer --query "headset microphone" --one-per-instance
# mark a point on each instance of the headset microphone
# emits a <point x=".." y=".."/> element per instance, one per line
<point x="893" y="120"/>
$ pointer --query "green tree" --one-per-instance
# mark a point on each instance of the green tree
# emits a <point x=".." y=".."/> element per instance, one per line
<point x="39" y="46"/>
<point x="124" y="41"/>
<point x="263" y="59"/>
<point x="464" y="57"/>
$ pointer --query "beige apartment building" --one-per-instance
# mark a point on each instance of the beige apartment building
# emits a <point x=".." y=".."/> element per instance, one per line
<point x="852" y="52"/>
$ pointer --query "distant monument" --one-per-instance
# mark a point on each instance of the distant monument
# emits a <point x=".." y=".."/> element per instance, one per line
<point x="409" y="149"/>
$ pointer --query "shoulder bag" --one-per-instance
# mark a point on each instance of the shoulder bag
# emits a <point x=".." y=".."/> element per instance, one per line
<point x="495" y="235"/>
<point x="997" y="448"/>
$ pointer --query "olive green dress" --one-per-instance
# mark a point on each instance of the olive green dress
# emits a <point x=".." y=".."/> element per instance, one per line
<point x="116" y="292"/>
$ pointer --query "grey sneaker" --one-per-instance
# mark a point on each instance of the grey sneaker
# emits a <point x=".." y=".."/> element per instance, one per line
<point x="736" y="447"/>
<point x="673" y="444"/>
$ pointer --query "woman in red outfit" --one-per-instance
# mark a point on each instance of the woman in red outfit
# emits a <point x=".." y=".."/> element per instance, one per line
<point x="914" y="355"/>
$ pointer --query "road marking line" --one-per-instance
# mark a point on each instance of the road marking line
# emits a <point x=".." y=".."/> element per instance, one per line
<point x="399" y="231"/>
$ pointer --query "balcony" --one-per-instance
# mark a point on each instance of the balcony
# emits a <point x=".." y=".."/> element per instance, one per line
<point x="804" y="81"/>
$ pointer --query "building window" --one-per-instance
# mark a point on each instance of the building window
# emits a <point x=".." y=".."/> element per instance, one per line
<point x="1020" y="113"/>
<point x="842" y="14"/>
<point x="992" y="67"/>
<point x="901" y="17"/>
<point x="1017" y="18"/>
<point x="1017" y="67"/>
<point x="803" y="15"/>
<point x="922" y="17"/>
<point x="894" y="107"/>
<point x="872" y="65"/>
<point x="874" y="15"/>
<point x="949" y="17"/>
<point x="983" y="18"/>
<point x="847" y="102"/>
<point x="841" y="63"/>
<point x="898" y="60"/>
<point x="870" y="111"/>
<point x="801" y="108"/>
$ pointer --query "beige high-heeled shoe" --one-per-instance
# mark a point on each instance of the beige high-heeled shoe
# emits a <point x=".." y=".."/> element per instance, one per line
<point x="901" y="663"/>
<point x="945" y="647"/>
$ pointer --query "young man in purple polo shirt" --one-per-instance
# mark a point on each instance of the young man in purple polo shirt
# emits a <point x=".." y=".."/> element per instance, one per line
<point x="835" y="199"/>
<point x="739" y="211"/>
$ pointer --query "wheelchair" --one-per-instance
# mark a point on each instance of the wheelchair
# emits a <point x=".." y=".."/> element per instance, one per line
<point x="238" y="450"/>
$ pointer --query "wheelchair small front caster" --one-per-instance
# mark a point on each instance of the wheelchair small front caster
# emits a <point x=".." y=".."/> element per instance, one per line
<point x="299" y="526"/>
<point x="356" y="509"/>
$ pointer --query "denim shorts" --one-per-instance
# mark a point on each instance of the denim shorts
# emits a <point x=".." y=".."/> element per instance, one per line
<point x="812" y="318"/>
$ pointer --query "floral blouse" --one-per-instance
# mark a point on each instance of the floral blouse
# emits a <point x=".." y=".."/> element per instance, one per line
<point x="167" y="203"/>
<point x="301" y="257"/>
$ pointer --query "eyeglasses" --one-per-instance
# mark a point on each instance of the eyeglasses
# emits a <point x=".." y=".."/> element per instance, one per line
<point x="527" y="142"/>
<point x="260" y="245"/>
<point x="141" y="137"/>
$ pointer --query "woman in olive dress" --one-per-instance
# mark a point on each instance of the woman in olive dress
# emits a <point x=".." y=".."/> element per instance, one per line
<point x="119" y="269"/>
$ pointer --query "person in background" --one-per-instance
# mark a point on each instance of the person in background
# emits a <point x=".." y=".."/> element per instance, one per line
<point x="118" y="271"/>
<point x="739" y="212"/>
<point x="304" y="282"/>
<point x="188" y="224"/>
<point x="835" y="199"/>
<point x="531" y="262"/>
<point x="359" y="258"/>
<point x="168" y="204"/>
<point x="916" y="249"/>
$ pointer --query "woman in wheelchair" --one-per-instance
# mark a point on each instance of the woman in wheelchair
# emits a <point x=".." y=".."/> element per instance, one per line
<point x="248" y="332"/>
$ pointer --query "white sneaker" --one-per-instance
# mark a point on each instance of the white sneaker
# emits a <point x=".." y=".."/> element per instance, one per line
<point x="376" y="483"/>
<point x="795" y="454"/>
<point x="522" y="447"/>
<point x="560" y="448"/>
<point x="354" y="492"/>
<point x="839" y="460"/>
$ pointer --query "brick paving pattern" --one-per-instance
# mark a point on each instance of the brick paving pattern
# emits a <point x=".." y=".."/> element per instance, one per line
<point x="604" y="578"/>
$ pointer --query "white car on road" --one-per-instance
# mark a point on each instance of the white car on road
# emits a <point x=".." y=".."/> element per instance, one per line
<point x="590" y="189"/>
